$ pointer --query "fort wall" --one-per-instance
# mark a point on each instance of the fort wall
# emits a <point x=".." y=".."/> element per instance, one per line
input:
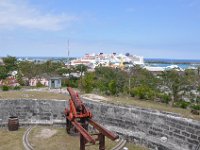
<point x="154" y="129"/>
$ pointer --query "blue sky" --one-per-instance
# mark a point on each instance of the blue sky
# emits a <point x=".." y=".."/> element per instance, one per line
<point x="151" y="28"/>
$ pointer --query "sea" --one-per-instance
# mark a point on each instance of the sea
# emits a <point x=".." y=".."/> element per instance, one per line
<point x="156" y="62"/>
<point x="182" y="63"/>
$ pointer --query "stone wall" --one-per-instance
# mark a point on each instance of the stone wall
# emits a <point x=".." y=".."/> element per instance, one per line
<point x="157" y="130"/>
<point x="33" y="111"/>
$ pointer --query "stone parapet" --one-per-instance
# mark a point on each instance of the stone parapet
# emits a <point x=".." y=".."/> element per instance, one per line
<point x="154" y="129"/>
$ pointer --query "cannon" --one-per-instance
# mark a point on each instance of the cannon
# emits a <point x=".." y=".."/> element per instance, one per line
<point x="78" y="117"/>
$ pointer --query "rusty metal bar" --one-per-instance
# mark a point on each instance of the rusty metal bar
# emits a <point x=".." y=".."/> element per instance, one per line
<point x="82" y="142"/>
<point x="101" y="141"/>
<point x="103" y="130"/>
<point x="83" y="132"/>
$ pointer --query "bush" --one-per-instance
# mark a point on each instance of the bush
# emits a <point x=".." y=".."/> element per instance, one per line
<point x="17" y="88"/>
<point x="182" y="104"/>
<point x="39" y="84"/>
<point x="112" y="87"/>
<point x="165" y="98"/>
<point x="132" y="92"/>
<point x="195" y="107"/>
<point x="5" y="88"/>
<point x="88" y="83"/>
<point x="143" y="92"/>
<point x="198" y="100"/>
<point x="74" y="83"/>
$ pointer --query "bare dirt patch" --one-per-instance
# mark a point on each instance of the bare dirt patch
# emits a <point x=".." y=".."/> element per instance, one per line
<point x="94" y="97"/>
<point x="46" y="133"/>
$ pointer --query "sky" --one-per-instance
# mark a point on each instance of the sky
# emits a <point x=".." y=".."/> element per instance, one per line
<point x="149" y="28"/>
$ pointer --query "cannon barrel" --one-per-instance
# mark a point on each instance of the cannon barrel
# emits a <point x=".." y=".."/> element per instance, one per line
<point x="74" y="97"/>
<point x="79" y="117"/>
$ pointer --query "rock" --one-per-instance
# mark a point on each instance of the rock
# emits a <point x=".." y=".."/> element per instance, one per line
<point x="163" y="139"/>
<point x="195" y="112"/>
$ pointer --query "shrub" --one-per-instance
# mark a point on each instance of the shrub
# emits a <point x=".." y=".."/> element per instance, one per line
<point x="198" y="100"/>
<point x="88" y="83"/>
<point x="17" y="88"/>
<point x="5" y="88"/>
<point x="195" y="107"/>
<point x="39" y="84"/>
<point x="132" y="92"/>
<point x="74" y="83"/>
<point x="182" y="104"/>
<point x="165" y="98"/>
<point x="143" y="92"/>
<point x="112" y="87"/>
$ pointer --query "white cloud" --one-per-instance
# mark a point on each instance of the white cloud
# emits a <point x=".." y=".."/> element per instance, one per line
<point x="18" y="13"/>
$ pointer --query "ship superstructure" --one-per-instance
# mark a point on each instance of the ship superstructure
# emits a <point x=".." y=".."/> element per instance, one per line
<point x="109" y="60"/>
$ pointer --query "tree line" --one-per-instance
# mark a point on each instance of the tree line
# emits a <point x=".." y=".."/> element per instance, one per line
<point x="27" y="70"/>
<point x="177" y="88"/>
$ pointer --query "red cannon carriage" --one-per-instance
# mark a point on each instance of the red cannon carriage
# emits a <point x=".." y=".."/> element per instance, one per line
<point x="79" y="117"/>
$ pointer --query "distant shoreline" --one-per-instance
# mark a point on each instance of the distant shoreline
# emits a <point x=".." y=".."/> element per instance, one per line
<point x="146" y="60"/>
<point x="171" y="61"/>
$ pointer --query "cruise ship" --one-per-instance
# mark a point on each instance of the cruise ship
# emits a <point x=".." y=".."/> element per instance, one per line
<point x="109" y="60"/>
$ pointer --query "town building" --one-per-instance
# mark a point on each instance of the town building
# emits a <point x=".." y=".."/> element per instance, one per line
<point x="55" y="82"/>
<point x="109" y="60"/>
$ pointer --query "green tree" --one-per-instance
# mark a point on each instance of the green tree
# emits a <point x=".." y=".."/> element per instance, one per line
<point x="51" y="68"/>
<point x="3" y="72"/>
<point x="27" y="69"/>
<point x="10" y="63"/>
<point x="62" y="71"/>
<point x="143" y="83"/>
<point x="175" y="81"/>
<point x="88" y="82"/>
<point x="110" y="80"/>
<point x="112" y="87"/>
<point x="81" y="68"/>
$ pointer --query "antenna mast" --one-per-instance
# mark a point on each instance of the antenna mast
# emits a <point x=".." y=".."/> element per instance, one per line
<point x="68" y="50"/>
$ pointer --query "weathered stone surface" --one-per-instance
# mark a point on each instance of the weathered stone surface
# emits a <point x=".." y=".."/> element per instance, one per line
<point x="143" y="126"/>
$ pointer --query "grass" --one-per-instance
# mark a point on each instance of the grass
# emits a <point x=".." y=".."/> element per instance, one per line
<point x="62" y="141"/>
<point x="154" y="105"/>
<point x="32" y="95"/>
<point x="11" y="140"/>
<point x="131" y="146"/>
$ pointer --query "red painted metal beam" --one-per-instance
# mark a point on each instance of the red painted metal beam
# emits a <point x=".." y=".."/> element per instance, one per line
<point x="103" y="130"/>
<point x="83" y="132"/>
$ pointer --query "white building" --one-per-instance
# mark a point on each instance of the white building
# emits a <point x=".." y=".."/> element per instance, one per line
<point x="109" y="60"/>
